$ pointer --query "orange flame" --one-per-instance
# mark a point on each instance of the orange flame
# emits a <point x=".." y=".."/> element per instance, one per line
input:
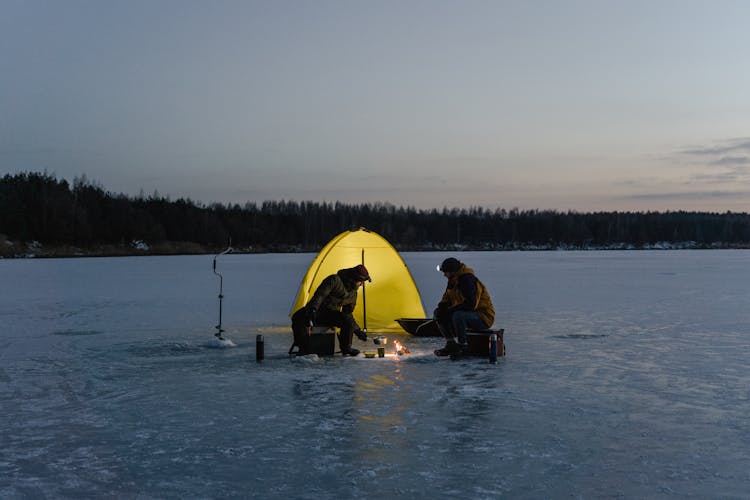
<point x="400" y="348"/>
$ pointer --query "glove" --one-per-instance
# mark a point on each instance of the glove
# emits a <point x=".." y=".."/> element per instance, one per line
<point x="310" y="313"/>
<point x="441" y="314"/>
<point x="361" y="335"/>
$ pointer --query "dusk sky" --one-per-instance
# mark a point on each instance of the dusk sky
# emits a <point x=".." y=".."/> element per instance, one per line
<point x="568" y="105"/>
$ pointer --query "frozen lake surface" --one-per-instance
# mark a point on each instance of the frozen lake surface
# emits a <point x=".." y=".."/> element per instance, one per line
<point x="627" y="376"/>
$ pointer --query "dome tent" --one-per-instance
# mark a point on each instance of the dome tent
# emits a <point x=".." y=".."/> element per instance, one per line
<point x="391" y="294"/>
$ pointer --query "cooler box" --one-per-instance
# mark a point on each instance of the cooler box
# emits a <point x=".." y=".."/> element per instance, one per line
<point x="322" y="341"/>
<point x="479" y="342"/>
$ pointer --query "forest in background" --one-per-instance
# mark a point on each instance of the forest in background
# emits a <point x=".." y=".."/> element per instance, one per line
<point x="43" y="216"/>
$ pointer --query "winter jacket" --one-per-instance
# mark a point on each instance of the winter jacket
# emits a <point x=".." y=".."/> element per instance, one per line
<point x="338" y="292"/>
<point x="466" y="292"/>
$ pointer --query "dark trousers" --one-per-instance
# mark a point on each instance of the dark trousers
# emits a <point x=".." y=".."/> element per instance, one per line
<point x="325" y="317"/>
<point x="453" y="325"/>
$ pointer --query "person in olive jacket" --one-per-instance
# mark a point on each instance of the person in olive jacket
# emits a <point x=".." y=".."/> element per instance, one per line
<point x="332" y="305"/>
<point x="466" y="304"/>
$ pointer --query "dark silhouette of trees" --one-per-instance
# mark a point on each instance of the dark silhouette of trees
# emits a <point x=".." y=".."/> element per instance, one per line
<point x="38" y="207"/>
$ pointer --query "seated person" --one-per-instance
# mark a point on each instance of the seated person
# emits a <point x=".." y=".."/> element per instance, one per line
<point x="466" y="304"/>
<point x="332" y="305"/>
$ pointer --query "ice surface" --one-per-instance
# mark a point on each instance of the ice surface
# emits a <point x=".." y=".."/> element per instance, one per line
<point x="220" y="343"/>
<point x="626" y="376"/>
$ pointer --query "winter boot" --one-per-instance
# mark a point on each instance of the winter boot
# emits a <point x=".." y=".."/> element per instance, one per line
<point x="301" y="340"/>
<point x="345" y="343"/>
<point x="452" y="347"/>
<point x="349" y="351"/>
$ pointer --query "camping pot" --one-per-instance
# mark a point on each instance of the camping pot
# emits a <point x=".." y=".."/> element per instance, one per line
<point x="380" y="340"/>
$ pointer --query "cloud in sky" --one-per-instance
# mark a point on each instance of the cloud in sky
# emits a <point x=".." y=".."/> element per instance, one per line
<point x="691" y="196"/>
<point x="720" y="150"/>
<point x="720" y="162"/>
<point x="412" y="103"/>
<point x="715" y="175"/>
<point x="732" y="161"/>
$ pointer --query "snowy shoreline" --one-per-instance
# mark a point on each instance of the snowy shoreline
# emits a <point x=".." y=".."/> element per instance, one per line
<point x="34" y="249"/>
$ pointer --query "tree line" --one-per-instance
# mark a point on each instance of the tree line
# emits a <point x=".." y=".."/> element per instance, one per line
<point x="37" y="207"/>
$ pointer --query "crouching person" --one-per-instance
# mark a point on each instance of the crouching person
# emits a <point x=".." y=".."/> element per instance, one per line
<point x="332" y="305"/>
<point x="466" y="304"/>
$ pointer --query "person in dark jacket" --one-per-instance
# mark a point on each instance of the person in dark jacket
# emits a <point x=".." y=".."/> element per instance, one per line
<point x="332" y="305"/>
<point x="466" y="304"/>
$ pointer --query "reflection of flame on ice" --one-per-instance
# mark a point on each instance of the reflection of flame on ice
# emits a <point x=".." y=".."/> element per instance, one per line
<point x="400" y="348"/>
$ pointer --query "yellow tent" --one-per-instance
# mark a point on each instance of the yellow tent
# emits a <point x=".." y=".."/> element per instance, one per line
<point x="391" y="294"/>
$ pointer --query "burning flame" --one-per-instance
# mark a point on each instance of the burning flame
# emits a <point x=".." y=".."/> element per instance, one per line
<point x="400" y="348"/>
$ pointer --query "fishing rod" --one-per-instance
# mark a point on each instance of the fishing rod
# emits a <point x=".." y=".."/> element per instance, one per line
<point x="219" y="329"/>
<point x="364" y="299"/>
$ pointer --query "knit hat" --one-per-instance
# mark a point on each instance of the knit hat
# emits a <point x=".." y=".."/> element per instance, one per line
<point x="449" y="265"/>
<point x="360" y="273"/>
